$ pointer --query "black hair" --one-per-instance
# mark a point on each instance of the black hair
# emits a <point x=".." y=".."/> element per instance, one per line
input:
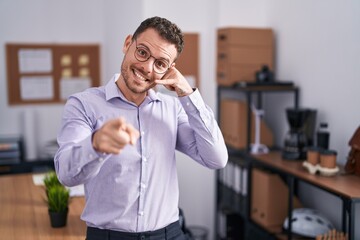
<point x="166" y="29"/>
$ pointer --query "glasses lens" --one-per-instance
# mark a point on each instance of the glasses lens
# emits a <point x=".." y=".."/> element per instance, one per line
<point x="161" y="66"/>
<point x="142" y="54"/>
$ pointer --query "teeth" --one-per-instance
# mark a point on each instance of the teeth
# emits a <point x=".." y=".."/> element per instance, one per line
<point x="139" y="76"/>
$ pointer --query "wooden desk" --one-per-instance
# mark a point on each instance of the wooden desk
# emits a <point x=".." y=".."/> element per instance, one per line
<point x="24" y="213"/>
<point x="346" y="187"/>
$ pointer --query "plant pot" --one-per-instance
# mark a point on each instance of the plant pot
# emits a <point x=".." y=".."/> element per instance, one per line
<point x="58" y="219"/>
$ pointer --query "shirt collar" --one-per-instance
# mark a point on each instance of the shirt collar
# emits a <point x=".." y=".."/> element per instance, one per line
<point x="112" y="91"/>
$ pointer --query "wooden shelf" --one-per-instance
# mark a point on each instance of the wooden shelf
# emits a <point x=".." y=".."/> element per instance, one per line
<point x="345" y="185"/>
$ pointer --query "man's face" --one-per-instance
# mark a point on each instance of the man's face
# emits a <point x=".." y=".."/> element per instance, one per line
<point x="139" y="76"/>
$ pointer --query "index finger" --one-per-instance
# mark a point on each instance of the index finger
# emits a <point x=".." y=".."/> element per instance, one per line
<point x="133" y="133"/>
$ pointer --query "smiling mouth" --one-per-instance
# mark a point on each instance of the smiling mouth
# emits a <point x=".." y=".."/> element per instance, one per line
<point x="139" y="76"/>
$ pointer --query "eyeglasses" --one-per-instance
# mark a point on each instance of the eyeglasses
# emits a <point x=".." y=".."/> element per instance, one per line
<point x="143" y="54"/>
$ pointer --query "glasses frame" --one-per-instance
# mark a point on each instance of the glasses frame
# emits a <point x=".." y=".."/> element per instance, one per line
<point x="150" y="56"/>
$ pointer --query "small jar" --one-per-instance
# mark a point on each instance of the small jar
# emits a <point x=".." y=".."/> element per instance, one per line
<point x="328" y="159"/>
<point x="313" y="155"/>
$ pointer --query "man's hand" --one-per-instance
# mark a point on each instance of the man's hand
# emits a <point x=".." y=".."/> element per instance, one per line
<point x="114" y="135"/>
<point x="175" y="81"/>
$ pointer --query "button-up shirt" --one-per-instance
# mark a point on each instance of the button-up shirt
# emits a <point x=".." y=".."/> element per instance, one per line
<point x="136" y="190"/>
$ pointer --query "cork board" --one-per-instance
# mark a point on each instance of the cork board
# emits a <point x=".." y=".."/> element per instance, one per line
<point x="188" y="62"/>
<point x="49" y="73"/>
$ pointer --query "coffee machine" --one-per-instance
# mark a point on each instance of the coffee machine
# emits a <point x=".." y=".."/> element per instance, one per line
<point x="301" y="133"/>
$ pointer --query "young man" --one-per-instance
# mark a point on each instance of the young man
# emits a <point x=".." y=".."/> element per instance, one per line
<point x="119" y="140"/>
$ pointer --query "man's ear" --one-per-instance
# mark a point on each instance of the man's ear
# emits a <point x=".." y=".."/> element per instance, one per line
<point x="127" y="43"/>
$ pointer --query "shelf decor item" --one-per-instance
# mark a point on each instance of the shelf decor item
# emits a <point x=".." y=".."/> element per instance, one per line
<point x="58" y="197"/>
<point x="353" y="160"/>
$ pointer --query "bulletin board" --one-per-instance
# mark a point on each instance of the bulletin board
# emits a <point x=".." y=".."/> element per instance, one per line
<point x="49" y="73"/>
<point x="188" y="62"/>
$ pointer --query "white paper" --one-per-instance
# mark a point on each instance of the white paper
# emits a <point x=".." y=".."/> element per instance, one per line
<point x="69" y="86"/>
<point x="75" y="191"/>
<point x="30" y="131"/>
<point x="244" y="181"/>
<point x="38" y="179"/>
<point x="36" y="88"/>
<point x="237" y="179"/>
<point x="35" y="60"/>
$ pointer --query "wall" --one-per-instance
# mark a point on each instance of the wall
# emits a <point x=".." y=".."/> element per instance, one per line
<point x="41" y="21"/>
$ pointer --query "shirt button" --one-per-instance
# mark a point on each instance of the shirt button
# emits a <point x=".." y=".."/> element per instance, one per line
<point x="187" y="104"/>
<point x="142" y="133"/>
<point x="101" y="159"/>
<point x="144" y="159"/>
<point x="143" y="185"/>
<point x="141" y="213"/>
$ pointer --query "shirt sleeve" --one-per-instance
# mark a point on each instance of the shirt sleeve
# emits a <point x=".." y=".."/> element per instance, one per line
<point x="76" y="161"/>
<point x="199" y="135"/>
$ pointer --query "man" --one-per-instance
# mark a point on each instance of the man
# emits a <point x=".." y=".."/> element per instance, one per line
<point x="119" y="140"/>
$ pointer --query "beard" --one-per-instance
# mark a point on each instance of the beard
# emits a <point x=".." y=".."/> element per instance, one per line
<point x="132" y="85"/>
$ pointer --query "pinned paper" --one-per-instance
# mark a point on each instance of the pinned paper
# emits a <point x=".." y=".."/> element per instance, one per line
<point x="36" y="87"/>
<point x="65" y="60"/>
<point x="84" y="72"/>
<point x="66" y="72"/>
<point x="35" y="60"/>
<point x="69" y="86"/>
<point x="84" y="59"/>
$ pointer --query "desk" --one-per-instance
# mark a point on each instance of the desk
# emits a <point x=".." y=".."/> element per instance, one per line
<point x="24" y="213"/>
<point x="346" y="187"/>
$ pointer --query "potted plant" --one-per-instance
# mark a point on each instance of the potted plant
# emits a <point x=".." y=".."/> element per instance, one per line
<point x="58" y="197"/>
<point x="50" y="180"/>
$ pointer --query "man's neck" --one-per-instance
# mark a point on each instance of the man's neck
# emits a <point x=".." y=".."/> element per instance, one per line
<point x="136" y="98"/>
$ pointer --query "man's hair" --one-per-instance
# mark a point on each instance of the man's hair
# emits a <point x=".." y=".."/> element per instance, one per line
<point x="166" y="29"/>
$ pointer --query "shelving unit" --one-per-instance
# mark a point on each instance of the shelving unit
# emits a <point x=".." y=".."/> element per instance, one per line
<point x="233" y="206"/>
<point x="237" y="203"/>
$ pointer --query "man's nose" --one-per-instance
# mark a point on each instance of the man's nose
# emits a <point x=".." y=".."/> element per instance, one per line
<point x="149" y="64"/>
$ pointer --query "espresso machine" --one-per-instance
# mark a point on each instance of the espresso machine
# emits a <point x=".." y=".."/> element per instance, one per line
<point x="301" y="133"/>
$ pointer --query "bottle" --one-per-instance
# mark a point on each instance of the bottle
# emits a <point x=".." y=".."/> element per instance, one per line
<point x="323" y="136"/>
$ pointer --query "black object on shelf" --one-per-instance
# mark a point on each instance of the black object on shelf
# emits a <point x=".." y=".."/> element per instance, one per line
<point x="323" y="136"/>
<point x="11" y="150"/>
<point x="300" y="135"/>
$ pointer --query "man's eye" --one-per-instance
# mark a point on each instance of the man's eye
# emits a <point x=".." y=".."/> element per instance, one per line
<point x="142" y="53"/>
<point x="161" y="64"/>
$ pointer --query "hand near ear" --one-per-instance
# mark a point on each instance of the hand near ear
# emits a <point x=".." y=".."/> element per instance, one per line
<point x="114" y="135"/>
<point x="175" y="81"/>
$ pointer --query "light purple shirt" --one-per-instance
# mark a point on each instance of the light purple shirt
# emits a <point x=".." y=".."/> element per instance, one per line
<point x="136" y="190"/>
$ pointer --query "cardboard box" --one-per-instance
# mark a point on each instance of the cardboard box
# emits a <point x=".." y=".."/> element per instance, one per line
<point x="246" y="55"/>
<point x="233" y="124"/>
<point x="269" y="199"/>
<point x="245" y="36"/>
<point x="242" y="52"/>
<point x="228" y="74"/>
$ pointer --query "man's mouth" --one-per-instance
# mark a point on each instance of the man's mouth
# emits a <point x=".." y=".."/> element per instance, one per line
<point x="139" y="76"/>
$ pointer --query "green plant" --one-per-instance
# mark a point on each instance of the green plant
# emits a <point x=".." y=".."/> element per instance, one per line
<point x="51" y="180"/>
<point x="58" y="198"/>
